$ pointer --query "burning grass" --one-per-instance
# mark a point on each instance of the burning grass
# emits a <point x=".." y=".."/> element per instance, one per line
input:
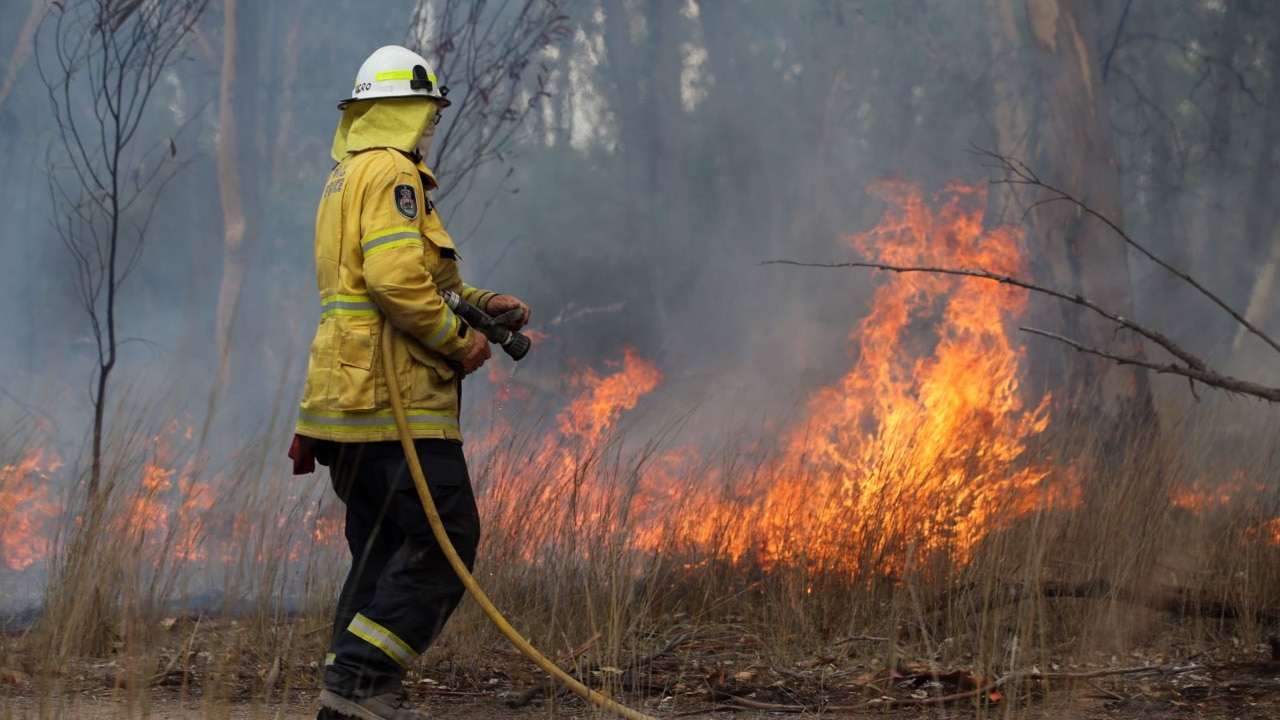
<point x="1138" y="564"/>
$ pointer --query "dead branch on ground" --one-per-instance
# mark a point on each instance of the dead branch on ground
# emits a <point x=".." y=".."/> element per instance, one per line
<point x="1178" y="601"/>
<point x="627" y="679"/>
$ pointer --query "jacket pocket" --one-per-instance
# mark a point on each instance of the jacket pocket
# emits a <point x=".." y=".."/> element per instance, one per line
<point x="356" y="356"/>
<point x="439" y="238"/>
<point x="435" y="361"/>
<point x="432" y="382"/>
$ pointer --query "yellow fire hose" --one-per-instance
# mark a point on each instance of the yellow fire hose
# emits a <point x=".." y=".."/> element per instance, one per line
<point x="442" y="537"/>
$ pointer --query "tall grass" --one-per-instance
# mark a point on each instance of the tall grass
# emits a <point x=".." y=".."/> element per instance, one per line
<point x="202" y="567"/>
<point x="569" y="553"/>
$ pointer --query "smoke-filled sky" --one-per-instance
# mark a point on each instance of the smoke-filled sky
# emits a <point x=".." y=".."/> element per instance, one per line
<point x="669" y="147"/>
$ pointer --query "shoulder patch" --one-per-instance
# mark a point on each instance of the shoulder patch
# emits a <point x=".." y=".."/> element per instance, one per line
<point x="407" y="201"/>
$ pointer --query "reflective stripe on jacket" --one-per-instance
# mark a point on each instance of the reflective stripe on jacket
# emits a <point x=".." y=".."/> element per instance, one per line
<point x="381" y="251"/>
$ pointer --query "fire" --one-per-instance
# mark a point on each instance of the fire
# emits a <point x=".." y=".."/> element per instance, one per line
<point x="165" y="510"/>
<point x="560" y="479"/>
<point x="588" y="418"/>
<point x="1205" y="494"/>
<point x="919" y="452"/>
<point x="159" y="514"/>
<point x="922" y="444"/>
<point x="27" y="509"/>
<point x="1212" y="499"/>
<point x="1271" y="530"/>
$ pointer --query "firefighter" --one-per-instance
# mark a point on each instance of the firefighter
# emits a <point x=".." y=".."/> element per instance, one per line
<point x="382" y="252"/>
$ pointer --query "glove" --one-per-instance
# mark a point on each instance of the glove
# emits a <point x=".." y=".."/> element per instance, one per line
<point x="304" y="462"/>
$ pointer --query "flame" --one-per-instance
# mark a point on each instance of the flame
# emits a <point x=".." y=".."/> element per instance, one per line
<point x="166" y="510"/>
<point x="920" y="445"/>
<point x="1207" y="497"/>
<point x="561" y="479"/>
<point x="27" y="509"/>
<point x="1271" y="530"/>
<point x="1205" y="494"/>
<point x="923" y="448"/>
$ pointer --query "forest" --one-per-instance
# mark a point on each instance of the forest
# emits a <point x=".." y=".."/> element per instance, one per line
<point x="906" y="356"/>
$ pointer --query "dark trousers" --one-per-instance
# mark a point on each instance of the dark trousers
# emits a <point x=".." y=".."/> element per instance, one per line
<point x="401" y="589"/>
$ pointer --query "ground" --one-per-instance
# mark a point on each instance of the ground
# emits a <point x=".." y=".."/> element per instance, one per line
<point x="164" y="706"/>
<point x="205" y="668"/>
<point x="1240" y="691"/>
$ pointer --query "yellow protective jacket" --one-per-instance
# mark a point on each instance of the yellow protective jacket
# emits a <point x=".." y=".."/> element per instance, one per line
<point x="381" y="251"/>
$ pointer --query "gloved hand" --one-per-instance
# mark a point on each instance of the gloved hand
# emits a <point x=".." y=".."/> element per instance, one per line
<point x="479" y="353"/>
<point x="499" y="304"/>
<point x="304" y="461"/>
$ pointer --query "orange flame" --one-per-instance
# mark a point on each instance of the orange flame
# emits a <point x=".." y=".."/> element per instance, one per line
<point x="1205" y="494"/>
<point x="917" y="454"/>
<point x="27" y="508"/>
<point x="921" y="445"/>
<point x="165" y="512"/>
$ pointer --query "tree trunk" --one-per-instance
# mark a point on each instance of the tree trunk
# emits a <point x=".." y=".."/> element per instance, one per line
<point x="1073" y="148"/>
<point x="1006" y="203"/>
<point x="1262" y="301"/>
<point x="22" y="49"/>
<point x="643" y="97"/>
<point x="283" y="157"/>
<point x="1262" y="237"/>
<point x="1211" y="217"/>
<point x="233" y="217"/>
<point x="1173" y="301"/>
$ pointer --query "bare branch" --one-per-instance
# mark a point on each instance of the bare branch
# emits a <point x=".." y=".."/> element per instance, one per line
<point x="1206" y="376"/>
<point x="1156" y="337"/>
<point x="1019" y="174"/>
<point x="487" y="53"/>
<point x="1193" y="367"/>
<point x="1115" y="41"/>
<point x="1210" y="61"/>
<point x="1011" y="680"/>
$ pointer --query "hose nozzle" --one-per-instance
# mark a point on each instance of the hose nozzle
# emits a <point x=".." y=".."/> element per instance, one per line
<point x="513" y="343"/>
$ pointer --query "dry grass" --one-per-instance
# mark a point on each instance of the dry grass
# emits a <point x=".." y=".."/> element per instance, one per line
<point x="1125" y="570"/>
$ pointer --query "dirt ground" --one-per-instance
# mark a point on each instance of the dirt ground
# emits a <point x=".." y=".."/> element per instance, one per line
<point x="718" y="675"/>
<point x="1254" y="697"/>
<point x="492" y="707"/>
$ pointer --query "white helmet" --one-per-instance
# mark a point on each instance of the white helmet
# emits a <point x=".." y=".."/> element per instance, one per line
<point x="394" y="71"/>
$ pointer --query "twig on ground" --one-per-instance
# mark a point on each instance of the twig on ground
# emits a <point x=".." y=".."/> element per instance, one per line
<point x="857" y="638"/>
<point x="1113" y="695"/>
<point x="581" y="649"/>
<point x="715" y="707"/>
